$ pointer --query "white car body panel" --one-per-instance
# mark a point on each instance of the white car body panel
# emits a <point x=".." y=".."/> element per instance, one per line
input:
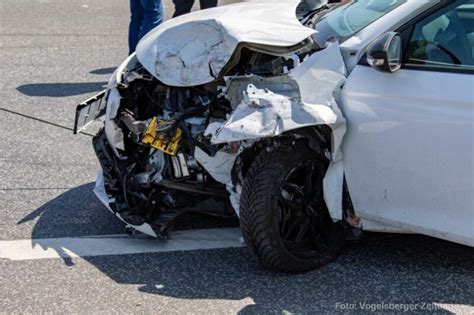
<point x="192" y="49"/>
<point x="263" y="113"/>
<point x="402" y="127"/>
<point x="409" y="150"/>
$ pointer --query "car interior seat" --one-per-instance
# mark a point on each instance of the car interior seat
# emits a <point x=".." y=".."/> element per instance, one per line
<point x="454" y="38"/>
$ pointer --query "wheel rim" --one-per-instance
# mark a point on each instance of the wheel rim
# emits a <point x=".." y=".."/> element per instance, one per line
<point x="302" y="215"/>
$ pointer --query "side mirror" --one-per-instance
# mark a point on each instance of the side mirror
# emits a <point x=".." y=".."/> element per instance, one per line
<point x="385" y="53"/>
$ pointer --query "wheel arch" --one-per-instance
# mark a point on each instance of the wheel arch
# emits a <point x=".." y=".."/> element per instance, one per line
<point x="318" y="138"/>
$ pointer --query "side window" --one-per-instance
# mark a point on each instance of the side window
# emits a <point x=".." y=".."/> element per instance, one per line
<point x="444" y="39"/>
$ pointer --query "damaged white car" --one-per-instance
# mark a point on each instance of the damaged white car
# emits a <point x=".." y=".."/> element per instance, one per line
<point x="310" y="122"/>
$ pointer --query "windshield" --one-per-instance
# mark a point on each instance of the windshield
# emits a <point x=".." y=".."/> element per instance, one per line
<point x="350" y="18"/>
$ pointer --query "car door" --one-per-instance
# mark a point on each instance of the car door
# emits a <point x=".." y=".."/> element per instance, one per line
<point x="409" y="149"/>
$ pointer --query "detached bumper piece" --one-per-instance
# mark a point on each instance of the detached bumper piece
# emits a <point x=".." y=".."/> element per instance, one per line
<point x="90" y="110"/>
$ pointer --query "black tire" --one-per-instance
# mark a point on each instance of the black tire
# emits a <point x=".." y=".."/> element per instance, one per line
<point x="266" y="206"/>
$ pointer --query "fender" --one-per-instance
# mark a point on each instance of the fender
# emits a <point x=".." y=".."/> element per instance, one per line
<point x="263" y="113"/>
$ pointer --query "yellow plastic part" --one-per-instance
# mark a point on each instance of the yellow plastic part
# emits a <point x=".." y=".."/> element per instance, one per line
<point x="162" y="141"/>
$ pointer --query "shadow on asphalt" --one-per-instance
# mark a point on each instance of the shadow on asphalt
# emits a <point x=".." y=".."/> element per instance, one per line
<point x="406" y="269"/>
<point x="103" y="71"/>
<point x="75" y="213"/>
<point x="66" y="89"/>
<point x="78" y="213"/>
<point x="60" y="89"/>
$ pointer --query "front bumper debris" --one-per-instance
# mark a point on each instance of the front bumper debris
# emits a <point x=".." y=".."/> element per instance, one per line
<point x="90" y="110"/>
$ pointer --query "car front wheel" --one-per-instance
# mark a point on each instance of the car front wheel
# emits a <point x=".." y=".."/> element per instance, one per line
<point x="283" y="214"/>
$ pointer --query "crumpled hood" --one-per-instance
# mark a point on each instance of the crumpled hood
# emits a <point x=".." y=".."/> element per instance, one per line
<point x="193" y="49"/>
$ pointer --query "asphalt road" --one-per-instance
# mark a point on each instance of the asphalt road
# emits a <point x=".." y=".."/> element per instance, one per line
<point x="55" y="53"/>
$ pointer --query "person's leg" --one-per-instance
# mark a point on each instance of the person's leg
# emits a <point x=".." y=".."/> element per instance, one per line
<point x="182" y="7"/>
<point x="206" y="4"/>
<point x="152" y="15"/>
<point x="136" y="17"/>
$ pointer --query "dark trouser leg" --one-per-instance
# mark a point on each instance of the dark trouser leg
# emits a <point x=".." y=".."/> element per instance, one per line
<point x="136" y="18"/>
<point x="152" y="15"/>
<point x="206" y="4"/>
<point x="182" y="7"/>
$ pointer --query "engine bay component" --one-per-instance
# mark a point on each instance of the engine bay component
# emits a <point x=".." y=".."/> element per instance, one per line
<point x="180" y="168"/>
<point x="162" y="135"/>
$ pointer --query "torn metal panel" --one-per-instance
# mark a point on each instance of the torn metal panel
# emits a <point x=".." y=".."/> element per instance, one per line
<point x="194" y="48"/>
<point x="117" y="77"/>
<point x="200" y="55"/>
<point x="333" y="189"/>
<point x="100" y="192"/>
<point x="218" y="166"/>
<point x="112" y="131"/>
<point x="234" y="197"/>
<point x="263" y="113"/>
<point x="113" y="103"/>
<point x="284" y="85"/>
<point x="320" y="78"/>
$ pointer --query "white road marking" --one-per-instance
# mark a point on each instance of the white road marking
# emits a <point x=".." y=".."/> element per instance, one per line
<point x="118" y="244"/>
